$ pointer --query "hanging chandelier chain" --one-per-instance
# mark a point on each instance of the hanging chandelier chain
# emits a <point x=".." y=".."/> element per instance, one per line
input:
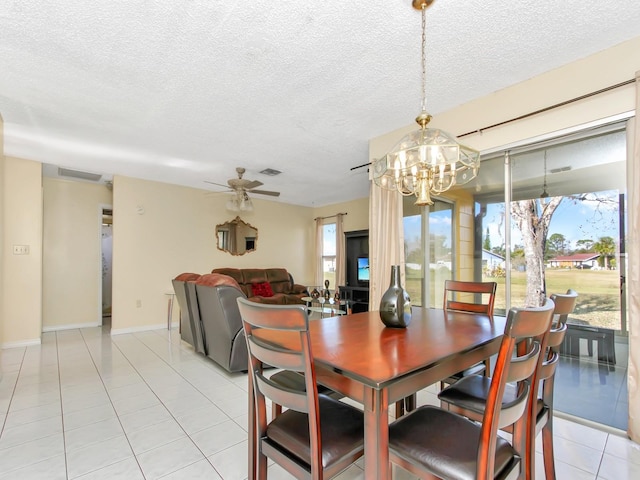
<point x="424" y="57"/>
<point x="428" y="161"/>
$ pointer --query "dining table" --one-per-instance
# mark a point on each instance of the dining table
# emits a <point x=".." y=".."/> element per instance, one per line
<point x="357" y="356"/>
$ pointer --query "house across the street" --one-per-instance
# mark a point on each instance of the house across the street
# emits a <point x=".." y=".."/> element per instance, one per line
<point x="577" y="260"/>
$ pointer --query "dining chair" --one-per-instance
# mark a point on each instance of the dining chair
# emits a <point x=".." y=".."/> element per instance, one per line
<point x="468" y="396"/>
<point x="296" y="381"/>
<point x="565" y="305"/>
<point x="432" y="442"/>
<point x="457" y="297"/>
<point x="474" y="297"/>
<point x="317" y="436"/>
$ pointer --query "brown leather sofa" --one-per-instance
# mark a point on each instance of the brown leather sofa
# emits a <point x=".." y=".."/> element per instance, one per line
<point x="280" y="281"/>
<point x="213" y="317"/>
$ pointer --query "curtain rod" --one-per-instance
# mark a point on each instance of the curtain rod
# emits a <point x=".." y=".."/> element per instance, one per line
<point x="330" y="216"/>
<point x="536" y="112"/>
<point x="551" y="107"/>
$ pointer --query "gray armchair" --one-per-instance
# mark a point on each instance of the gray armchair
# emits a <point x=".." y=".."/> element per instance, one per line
<point x="186" y="322"/>
<point x="222" y="332"/>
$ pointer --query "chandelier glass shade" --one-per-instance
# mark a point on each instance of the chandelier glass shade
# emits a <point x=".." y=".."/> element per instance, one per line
<point x="427" y="161"/>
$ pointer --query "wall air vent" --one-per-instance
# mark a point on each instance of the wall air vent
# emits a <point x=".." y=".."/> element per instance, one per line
<point x="92" y="177"/>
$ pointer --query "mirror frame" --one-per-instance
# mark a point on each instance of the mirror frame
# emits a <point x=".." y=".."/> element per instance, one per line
<point x="236" y="221"/>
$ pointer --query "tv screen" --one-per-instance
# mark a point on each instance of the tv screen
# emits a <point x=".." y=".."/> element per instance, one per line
<point x="363" y="269"/>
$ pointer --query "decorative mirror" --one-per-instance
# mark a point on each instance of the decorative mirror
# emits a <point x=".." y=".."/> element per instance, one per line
<point x="236" y="237"/>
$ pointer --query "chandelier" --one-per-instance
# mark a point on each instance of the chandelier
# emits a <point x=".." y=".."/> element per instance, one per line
<point x="240" y="202"/>
<point x="427" y="161"/>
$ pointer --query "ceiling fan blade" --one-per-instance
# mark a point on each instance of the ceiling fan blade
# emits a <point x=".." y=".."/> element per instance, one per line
<point x="211" y="193"/>
<point x="265" y="192"/>
<point x="253" y="184"/>
<point x="243" y="183"/>
<point x="214" y="183"/>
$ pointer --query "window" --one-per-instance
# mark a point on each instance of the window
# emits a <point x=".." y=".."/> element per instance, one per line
<point x="428" y="242"/>
<point x="329" y="254"/>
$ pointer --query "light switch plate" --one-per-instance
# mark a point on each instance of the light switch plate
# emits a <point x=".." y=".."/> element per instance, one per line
<point x="21" y="249"/>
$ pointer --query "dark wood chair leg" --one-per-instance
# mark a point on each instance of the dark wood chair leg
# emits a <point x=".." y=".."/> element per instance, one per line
<point x="399" y="408"/>
<point x="547" y="450"/>
<point x="275" y="410"/>
<point x="410" y="402"/>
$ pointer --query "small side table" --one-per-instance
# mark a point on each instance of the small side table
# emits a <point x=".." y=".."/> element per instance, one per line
<point x="171" y="296"/>
<point x="330" y="307"/>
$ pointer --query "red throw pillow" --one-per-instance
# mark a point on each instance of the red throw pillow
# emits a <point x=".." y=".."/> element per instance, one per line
<point x="262" y="289"/>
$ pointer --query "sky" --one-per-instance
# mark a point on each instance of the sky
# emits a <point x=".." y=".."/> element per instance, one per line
<point x="576" y="220"/>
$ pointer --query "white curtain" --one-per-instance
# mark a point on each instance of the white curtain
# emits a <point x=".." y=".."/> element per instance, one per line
<point x="633" y="268"/>
<point x="386" y="241"/>
<point x="340" y="251"/>
<point x="319" y="241"/>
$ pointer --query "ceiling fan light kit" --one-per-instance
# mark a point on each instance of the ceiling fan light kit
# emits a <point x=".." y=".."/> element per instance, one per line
<point x="240" y="203"/>
<point x="429" y="160"/>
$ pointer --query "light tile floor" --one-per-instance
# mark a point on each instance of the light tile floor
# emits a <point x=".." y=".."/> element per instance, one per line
<point x="85" y="405"/>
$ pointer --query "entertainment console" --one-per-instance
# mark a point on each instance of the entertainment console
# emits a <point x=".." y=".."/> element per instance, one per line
<point x="356" y="290"/>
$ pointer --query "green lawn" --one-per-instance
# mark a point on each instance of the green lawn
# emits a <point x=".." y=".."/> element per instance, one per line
<point x="598" y="290"/>
<point x="598" y="301"/>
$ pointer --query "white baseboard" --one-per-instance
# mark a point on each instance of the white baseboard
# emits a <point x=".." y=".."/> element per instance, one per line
<point x="70" y="326"/>
<point x="21" y="343"/>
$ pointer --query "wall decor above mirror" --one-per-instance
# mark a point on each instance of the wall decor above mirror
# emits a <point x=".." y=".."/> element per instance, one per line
<point x="236" y="237"/>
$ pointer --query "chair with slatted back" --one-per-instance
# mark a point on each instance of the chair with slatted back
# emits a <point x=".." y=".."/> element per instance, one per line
<point x="469" y="395"/>
<point x="295" y="381"/>
<point x="475" y="297"/>
<point x="565" y="305"/>
<point x="432" y="442"/>
<point x="317" y="436"/>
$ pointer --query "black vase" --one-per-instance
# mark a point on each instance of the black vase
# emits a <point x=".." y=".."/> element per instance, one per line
<point x="395" y="306"/>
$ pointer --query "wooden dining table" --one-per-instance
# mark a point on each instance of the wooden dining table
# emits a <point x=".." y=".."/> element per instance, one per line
<point x="376" y="366"/>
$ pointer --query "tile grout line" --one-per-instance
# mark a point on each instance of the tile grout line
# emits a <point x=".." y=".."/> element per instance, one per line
<point x="123" y="353"/>
<point x="13" y="391"/>
<point x="84" y="340"/>
<point x="64" y="436"/>
<point x="135" y="336"/>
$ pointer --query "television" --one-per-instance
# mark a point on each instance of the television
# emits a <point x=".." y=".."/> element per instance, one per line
<point x="363" y="269"/>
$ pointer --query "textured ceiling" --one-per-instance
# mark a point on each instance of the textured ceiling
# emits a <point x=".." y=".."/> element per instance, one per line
<point x="185" y="91"/>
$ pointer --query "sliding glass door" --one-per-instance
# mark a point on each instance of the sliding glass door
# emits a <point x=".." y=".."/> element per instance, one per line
<point x="540" y="220"/>
<point x="559" y="226"/>
<point x="429" y="250"/>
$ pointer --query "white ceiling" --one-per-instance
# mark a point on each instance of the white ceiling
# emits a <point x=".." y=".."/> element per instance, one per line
<point x="184" y="91"/>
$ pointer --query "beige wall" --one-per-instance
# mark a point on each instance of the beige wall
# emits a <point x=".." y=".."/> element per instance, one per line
<point x="598" y="71"/>
<point x="72" y="261"/>
<point x="22" y="225"/>
<point x="162" y="230"/>
<point x="357" y="211"/>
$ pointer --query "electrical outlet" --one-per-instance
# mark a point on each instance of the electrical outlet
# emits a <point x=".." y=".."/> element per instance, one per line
<point x="138" y="303"/>
<point x="21" y="249"/>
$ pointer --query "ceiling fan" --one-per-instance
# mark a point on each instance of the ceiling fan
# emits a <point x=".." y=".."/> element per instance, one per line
<point x="242" y="187"/>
